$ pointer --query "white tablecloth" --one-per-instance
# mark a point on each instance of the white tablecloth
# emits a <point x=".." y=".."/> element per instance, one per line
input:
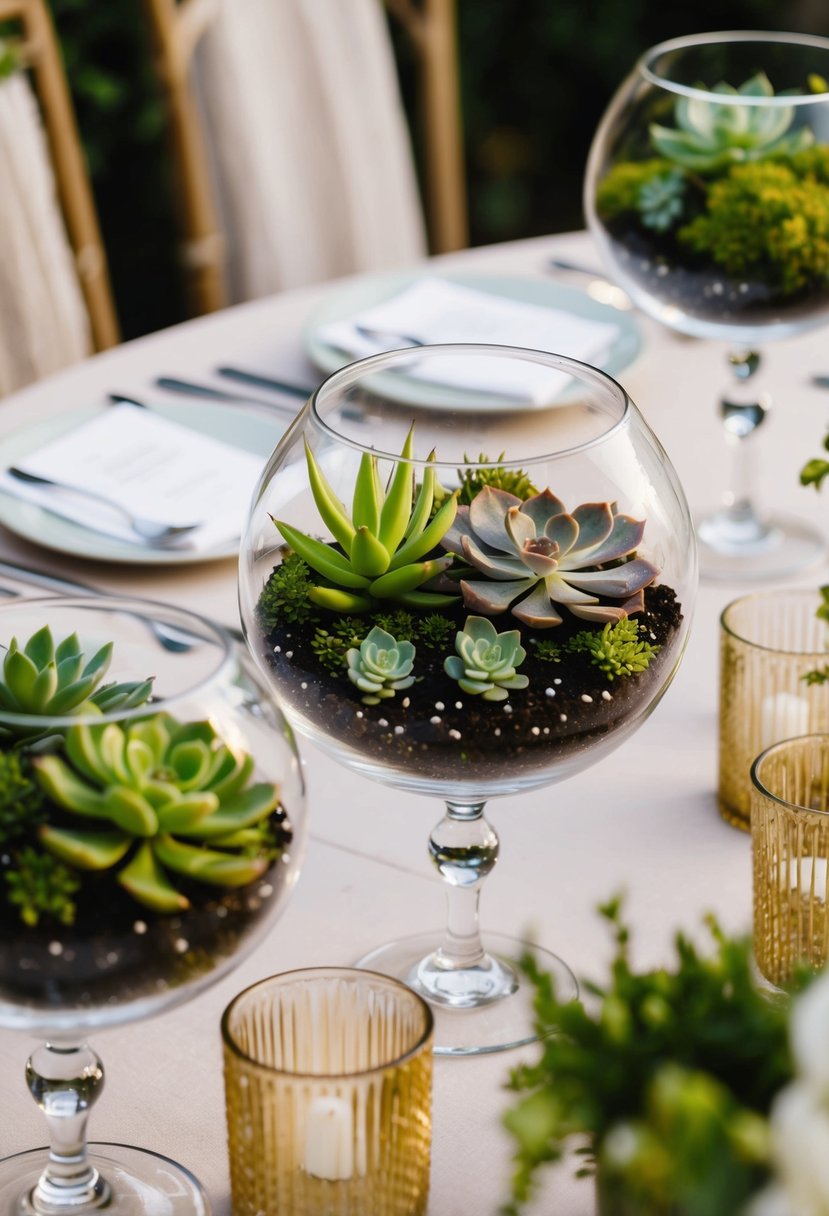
<point x="644" y="819"/>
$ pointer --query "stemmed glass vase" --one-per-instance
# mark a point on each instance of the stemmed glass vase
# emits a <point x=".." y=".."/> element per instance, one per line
<point x="707" y="190"/>
<point x="152" y="823"/>
<point x="468" y="572"/>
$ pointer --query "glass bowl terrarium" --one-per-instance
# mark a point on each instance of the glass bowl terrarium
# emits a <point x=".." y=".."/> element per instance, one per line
<point x="151" y="824"/>
<point x="468" y="572"/>
<point x="707" y="190"/>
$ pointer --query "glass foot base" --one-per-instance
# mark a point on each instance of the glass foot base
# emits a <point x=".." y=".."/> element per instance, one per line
<point x="494" y="1025"/>
<point x="142" y="1183"/>
<point x="781" y="546"/>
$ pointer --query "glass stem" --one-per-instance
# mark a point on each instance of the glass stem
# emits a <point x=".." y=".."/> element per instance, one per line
<point x="65" y="1080"/>
<point x="742" y="412"/>
<point x="464" y="849"/>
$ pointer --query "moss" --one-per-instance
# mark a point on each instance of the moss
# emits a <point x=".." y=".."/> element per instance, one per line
<point x="763" y="219"/>
<point x="400" y="624"/>
<point x="41" y="886"/>
<point x="22" y="803"/>
<point x="620" y="190"/>
<point x="435" y="631"/>
<point x="548" y="650"/>
<point x="284" y="597"/>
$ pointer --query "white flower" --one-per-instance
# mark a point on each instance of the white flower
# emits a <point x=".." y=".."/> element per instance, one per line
<point x="809" y="1032"/>
<point x="800" y="1139"/>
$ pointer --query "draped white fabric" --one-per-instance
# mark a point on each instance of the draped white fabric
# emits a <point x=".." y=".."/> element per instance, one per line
<point x="43" y="321"/>
<point x="309" y="142"/>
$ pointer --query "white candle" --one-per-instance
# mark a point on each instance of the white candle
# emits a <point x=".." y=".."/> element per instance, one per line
<point x="329" y="1139"/>
<point x="782" y="716"/>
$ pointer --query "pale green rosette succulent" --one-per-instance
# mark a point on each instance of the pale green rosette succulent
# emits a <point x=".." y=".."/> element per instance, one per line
<point x="383" y="543"/>
<point x="381" y="666"/>
<point x="486" y="661"/>
<point x="171" y="798"/>
<point x="535" y="554"/>
<point x="714" y="135"/>
<point x="46" y="680"/>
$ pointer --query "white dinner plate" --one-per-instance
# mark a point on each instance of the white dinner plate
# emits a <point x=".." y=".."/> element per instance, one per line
<point x="368" y="291"/>
<point x="253" y="432"/>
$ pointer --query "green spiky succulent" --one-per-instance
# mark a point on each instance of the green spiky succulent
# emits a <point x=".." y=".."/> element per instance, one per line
<point x="710" y="135"/>
<point x="486" y="662"/>
<point x="162" y="796"/>
<point x="380" y="666"/>
<point x="473" y="479"/>
<point x="535" y="554"/>
<point x="55" y="681"/>
<point x="381" y="548"/>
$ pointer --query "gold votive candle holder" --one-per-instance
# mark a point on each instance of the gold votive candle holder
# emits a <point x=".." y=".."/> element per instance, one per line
<point x="769" y="642"/>
<point x="328" y="1084"/>
<point x="790" y="843"/>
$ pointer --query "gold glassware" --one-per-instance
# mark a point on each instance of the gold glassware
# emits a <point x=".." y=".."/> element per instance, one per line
<point x="769" y="642"/>
<point x="328" y="1080"/>
<point x="790" y="835"/>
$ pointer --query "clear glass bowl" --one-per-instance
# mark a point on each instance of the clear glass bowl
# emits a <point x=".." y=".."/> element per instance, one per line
<point x="571" y="432"/>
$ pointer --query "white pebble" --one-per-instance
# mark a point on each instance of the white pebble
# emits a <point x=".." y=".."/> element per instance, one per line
<point x="536" y="730"/>
<point x="398" y="730"/>
<point x="507" y="708"/>
<point x="382" y="722"/>
<point x="497" y="730"/>
<point x="546" y="730"/>
<point x="439" y="705"/>
<point x="289" y="654"/>
<point x="454" y="734"/>
<point x="562" y="717"/>
<point x="436" y="721"/>
<point x="139" y="927"/>
<point x="606" y="695"/>
<point x="277" y="650"/>
<point x="359" y="713"/>
<point x="406" y="702"/>
<point x="585" y="696"/>
<point x="459" y="705"/>
<point x="303" y="684"/>
<point x="181" y="945"/>
<point x="558" y="681"/>
<point x="55" y="948"/>
<point x="549" y="692"/>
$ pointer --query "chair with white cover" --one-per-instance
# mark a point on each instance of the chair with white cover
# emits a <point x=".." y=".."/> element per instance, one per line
<point x="55" y="301"/>
<point x="298" y="139"/>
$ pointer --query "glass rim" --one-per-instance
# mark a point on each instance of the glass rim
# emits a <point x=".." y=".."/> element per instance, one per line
<point x="797" y="592"/>
<point x="643" y="66"/>
<point x="352" y="373"/>
<point x="299" y="973"/>
<point x="767" y="754"/>
<point x="142" y="609"/>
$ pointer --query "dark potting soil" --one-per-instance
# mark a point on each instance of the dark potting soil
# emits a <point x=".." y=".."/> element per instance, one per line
<point x="675" y="276"/>
<point x="118" y="951"/>
<point x="436" y="730"/>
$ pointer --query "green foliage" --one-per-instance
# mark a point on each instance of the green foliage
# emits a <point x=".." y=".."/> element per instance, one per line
<point x="40" y="885"/>
<point x="486" y="662"/>
<point x="514" y="481"/>
<point x="815" y="471"/>
<point x="620" y="190"/>
<point x="9" y="60"/>
<point x="764" y="219"/>
<point x="22" y="805"/>
<point x="170" y="797"/>
<point x="618" y="650"/>
<point x="548" y="650"/>
<point x="677" y="1065"/>
<point x="284" y="598"/>
<point x="382" y="546"/>
<point x="400" y="624"/>
<point x="434" y="631"/>
<point x="821" y="675"/>
<point x="332" y="646"/>
<point x="380" y="666"/>
<point x="661" y="200"/>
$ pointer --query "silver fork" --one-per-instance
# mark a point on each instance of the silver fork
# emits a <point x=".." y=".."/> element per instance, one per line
<point x="152" y="531"/>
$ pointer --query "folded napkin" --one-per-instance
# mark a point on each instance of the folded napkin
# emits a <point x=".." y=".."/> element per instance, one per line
<point x="434" y="310"/>
<point x="150" y="466"/>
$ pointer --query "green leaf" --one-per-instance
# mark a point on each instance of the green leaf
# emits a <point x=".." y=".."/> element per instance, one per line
<point x="251" y="807"/>
<point x="130" y="811"/>
<point x="208" y="865"/>
<point x="322" y="558"/>
<point x="339" y="601"/>
<point x="333" y="512"/>
<point x="146" y="881"/>
<point x="407" y="578"/>
<point x="98" y="665"/>
<point x="191" y="762"/>
<point x="186" y="812"/>
<point x="40" y="647"/>
<point x="73" y="695"/>
<point x="397" y="507"/>
<point x="86" y="850"/>
<point x="368" y="556"/>
<point x="20" y="674"/>
<point x="365" y="512"/>
<point x="235" y="778"/>
<point x="65" y="788"/>
<point x="69" y="648"/>
<point x="419" y="546"/>
<point x="423" y="503"/>
<point x="44" y="688"/>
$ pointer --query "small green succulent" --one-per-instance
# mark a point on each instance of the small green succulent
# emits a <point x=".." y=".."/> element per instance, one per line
<point x="41" y="886"/>
<point x="473" y="480"/>
<point x="284" y="597"/>
<point x="535" y="554"/>
<point x="382" y="545"/>
<point x="54" y="681"/>
<point x="169" y="797"/>
<point x="380" y="666"/>
<point x="332" y="645"/>
<point x="713" y="135"/>
<point x="486" y="661"/>
<point x="22" y="804"/>
<point x="661" y="200"/>
<point x="617" y="650"/>
<point x="548" y="651"/>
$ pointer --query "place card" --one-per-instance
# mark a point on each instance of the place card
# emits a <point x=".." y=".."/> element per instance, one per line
<point x="149" y="466"/>
<point x="434" y="310"/>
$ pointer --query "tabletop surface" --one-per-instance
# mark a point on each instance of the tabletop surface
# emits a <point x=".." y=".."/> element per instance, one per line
<point x="643" y="820"/>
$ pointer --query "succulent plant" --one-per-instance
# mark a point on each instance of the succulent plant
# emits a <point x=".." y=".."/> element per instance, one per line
<point x="380" y="666"/>
<point x="540" y="554"/>
<point x="617" y="650"/>
<point x="54" y="681"/>
<point x="170" y="797"/>
<point x="473" y="479"/>
<point x="383" y="543"/>
<point x="713" y="135"/>
<point x="41" y="886"/>
<point x="486" y="661"/>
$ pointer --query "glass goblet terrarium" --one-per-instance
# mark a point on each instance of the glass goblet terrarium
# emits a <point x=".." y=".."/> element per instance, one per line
<point x="468" y="572"/>
<point x="151" y="827"/>
<point x="707" y="190"/>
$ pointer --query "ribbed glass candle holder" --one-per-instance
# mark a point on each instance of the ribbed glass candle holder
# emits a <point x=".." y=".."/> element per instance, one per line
<point x="328" y="1078"/>
<point x="790" y="840"/>
<point x="769" y="642"/>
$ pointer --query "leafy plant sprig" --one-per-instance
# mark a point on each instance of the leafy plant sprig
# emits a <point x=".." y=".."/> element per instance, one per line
<point x="22" y="803"/>
<point x="696" y="1042"/>
<point x="41" y="886"/>
<point x="618" y="650"/>
<point x="332" y="645"/>
<point x="814" y="472"/>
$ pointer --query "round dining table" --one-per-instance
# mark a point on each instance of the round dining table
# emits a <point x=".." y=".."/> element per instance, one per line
<point x="644" y="821"/>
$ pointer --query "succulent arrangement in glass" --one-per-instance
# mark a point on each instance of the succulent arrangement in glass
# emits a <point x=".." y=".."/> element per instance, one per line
<point x="466" y="626"/>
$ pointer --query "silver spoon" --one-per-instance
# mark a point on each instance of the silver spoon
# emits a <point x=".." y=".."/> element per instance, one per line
<point x="150" y="530"/>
